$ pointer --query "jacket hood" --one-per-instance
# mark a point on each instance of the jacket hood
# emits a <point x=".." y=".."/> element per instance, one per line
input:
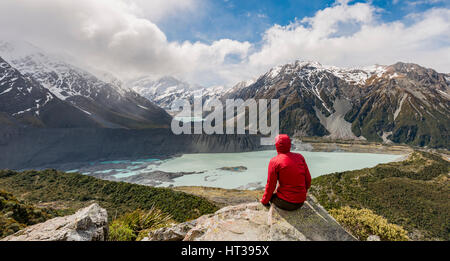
<point x="283" y="143"/>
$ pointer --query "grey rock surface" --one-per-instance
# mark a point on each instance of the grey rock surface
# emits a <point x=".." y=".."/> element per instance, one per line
<point x="255" y="222"/>
<point x="174" y="233"/>
<point x="87" y="224"/>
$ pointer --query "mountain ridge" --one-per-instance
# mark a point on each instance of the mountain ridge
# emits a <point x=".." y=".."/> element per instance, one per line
<point x="23" y="101"/>
<point x="107" y="103"/>
<point x="326" y="101"/>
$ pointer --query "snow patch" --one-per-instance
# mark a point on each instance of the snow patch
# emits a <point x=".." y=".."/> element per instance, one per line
<point x="394" y="75"/>
<point x="275" y="71"/>
<point x="377" y="70"/>
<point x="143" y="107"/>
<point x="5" y="91"/>
<point x="88" y="113"/>
<point x="21" y="112"/>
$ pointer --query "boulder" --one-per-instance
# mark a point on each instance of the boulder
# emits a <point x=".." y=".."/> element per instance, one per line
<point x="244" y="222"/>
<point x="87" y="224"/>
<point x="255" y="222"/>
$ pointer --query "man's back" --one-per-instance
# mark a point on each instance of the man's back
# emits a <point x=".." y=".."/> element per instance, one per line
<point x="290" y="170"/>
<point x="292" y="177"/>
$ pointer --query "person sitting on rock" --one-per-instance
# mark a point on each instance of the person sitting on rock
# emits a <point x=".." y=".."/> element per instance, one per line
<point x="292" y="174"/>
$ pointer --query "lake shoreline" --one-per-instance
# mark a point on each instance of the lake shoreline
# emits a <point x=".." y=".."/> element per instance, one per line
<point x="240" y="170"/>
<point x="126" y="169"/>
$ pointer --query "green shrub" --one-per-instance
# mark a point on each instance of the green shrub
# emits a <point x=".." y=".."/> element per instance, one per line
<point x="363" y="223"/>
<point x="136" y="224"/>
<point x="16" y="215"/>
<point x="118" y="231"/>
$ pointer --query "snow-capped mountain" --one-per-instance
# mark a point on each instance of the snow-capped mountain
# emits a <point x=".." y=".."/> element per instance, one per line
<point x="23" y="101"/>
<point x="403" y="103"/>
<point x="162" y="91"/>
<point x="105" y="101"/>
<point x="166" y="90"/>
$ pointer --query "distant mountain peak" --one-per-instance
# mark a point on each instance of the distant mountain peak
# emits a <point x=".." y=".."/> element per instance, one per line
<point x="166" y="90"/>
<point x="99" y="95"/>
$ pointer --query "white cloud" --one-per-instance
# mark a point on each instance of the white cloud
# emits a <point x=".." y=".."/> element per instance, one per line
<point x="323" y="38"/>
<point x="121" y="36"/>
<point x="422" y="2"/>
<point x="156" y="10"/>
<point x="114" y="36"/>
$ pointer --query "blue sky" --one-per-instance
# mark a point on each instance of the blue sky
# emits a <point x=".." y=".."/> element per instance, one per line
<point x="223" y="42"/>
<point x="246" y="20"/>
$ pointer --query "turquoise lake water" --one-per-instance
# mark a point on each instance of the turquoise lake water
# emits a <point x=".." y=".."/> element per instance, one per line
<point x="255" y="176"/>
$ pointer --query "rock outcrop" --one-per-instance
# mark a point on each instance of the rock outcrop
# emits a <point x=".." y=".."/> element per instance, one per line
<point x="174" y="233"/>
<point x="87" y="224"/>
<point x="254" y="222"/>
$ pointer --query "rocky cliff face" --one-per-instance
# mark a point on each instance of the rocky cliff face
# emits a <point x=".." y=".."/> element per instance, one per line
<point x="254" y="222"/>
<point x="87" y="224"/>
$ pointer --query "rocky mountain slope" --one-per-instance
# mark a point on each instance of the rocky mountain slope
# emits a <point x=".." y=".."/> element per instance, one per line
<point x="402" y="103"/>
<point x="407" y="104"/>
<point x="23" y="101"/>
<point x="104" y="102"/>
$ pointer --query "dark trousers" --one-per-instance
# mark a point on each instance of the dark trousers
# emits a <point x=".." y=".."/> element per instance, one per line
<point x="283" y="204"/>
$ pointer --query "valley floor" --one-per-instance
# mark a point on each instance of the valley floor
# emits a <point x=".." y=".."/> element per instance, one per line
<point x="325" y="145"/>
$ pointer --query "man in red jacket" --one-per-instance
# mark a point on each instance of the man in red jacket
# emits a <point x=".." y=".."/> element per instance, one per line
<point x="292" y="174"/>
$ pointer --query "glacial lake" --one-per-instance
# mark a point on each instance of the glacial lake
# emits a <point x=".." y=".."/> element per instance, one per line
<point x="253" y="177"/>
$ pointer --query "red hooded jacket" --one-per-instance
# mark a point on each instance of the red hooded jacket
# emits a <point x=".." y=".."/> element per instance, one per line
<point x="290" y="170"/>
